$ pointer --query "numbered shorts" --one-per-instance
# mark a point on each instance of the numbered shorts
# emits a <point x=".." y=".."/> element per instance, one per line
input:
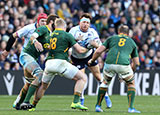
<point x="123" y="71"/>
<point x="60" y="67"/>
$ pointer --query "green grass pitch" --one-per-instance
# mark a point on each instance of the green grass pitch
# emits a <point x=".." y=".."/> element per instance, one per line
<point x="60" y="105"/>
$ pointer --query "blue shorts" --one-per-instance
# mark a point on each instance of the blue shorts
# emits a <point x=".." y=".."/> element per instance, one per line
<point x="83" y="63"/>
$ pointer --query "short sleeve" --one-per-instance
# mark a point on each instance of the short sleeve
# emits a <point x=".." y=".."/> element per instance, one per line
<point x="71" y="39"/>
<point x="106" y="42"/>
<point x="134" y="52"/>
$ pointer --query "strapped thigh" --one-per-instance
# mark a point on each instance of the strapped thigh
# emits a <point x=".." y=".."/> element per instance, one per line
<point x="35" y="70"/>
<point x="129" y="80"/>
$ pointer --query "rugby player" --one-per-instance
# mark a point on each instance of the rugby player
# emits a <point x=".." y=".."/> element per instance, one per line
<point x="120" y="47"/>
<point x="84" y="35"/>
<point x="38" y="43"/>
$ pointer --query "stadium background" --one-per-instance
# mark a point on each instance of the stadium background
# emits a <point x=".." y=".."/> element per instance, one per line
<point x="142" y="17"/>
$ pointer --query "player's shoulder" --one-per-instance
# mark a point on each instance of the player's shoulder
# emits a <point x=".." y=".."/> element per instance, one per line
<point x="132" y="41"/>
<point x="62" y="33"/>
<point x="113" y="37"/>
<point x="42" y="29"/>
<point x="67" y="34"/>
<point x="93" y="31"/>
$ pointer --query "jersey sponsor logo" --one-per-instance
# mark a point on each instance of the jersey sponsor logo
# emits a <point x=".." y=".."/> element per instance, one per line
<point x="9" y="81"/>
<point x="54" y="33"/>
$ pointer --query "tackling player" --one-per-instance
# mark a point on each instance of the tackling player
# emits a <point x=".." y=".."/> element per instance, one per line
<point x="84" y="35"/>
<point x="120" y="47"/>
<point x="25" y="32"/>
<point x="31" y="53"/>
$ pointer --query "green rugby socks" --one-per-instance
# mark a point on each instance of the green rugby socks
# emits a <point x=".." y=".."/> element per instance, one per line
<point x="22" y="96"/>
<point x="30" y="92"/>
<point x="76" y="97"/>
<point x="101" y="94"/>
<point x="131" y="96"/>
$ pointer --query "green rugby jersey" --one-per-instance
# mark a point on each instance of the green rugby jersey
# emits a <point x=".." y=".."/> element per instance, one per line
<point x="44" y="35"/>
<point x="121" y="47"/>
<point x="60" y="42"/>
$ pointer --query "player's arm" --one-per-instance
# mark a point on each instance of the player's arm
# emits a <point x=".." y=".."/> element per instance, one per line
<point x="74" y="44"/>
<point x="97" y="53"/>
<point x="10" y="43"/>
<point x="135" y="59"/>
<point x="94" y="44"/>
<point x="36" y="43"/>
<point x="99" y="50"/>
<point x="135" y="63"/>
<point x="38" y="32"/>
<point x="34" y="37"/>
<point x="18" y="34"/>
<point x="79" y="48"/>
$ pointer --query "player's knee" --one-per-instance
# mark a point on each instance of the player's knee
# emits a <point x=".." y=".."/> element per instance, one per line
<point x="129" y="81"/>
<point x="44" y="86"/>
<point x="130" y="84"/>
<point x="26" y="86"/>
<point x="108" y="80"/>
<point x="84" y="78"/>
<point x="38" y="73"/>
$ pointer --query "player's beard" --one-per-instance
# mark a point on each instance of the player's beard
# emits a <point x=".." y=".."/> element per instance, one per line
<point x="53" y="27"/>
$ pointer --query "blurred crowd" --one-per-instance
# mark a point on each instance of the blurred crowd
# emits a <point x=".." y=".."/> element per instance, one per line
<point x="142" y="17"/>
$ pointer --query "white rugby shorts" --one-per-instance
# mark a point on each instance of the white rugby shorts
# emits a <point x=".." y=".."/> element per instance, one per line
<point x="60" y="67"/>
<point x="123" y="71"/>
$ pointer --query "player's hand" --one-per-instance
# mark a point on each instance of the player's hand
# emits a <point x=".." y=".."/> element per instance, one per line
<point x="38" y="46"/>
<point x="90" y="62"/>
<point x="93" y="43"/>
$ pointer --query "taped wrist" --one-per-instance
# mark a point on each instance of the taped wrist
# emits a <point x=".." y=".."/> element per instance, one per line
<point x="35" y="40"/>
<point x="10" y="43"/>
